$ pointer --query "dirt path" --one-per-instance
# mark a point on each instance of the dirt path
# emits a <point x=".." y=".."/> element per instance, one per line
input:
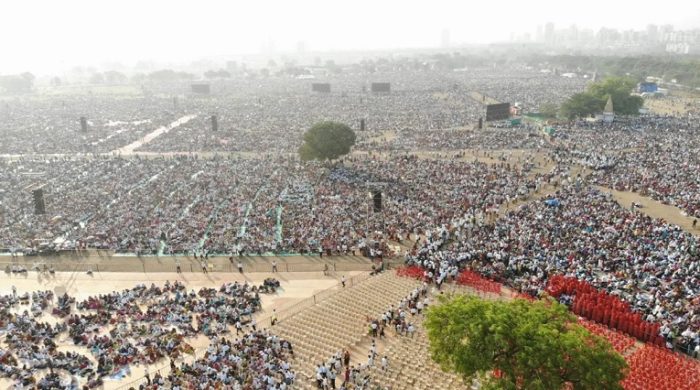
<point x="385" y="136"/>
<point x="128" y="149"/>
<point x="672" y="105"/>
<point x="655" y="209"/>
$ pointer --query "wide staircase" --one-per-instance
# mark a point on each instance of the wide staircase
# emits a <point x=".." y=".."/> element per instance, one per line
<point x="339" y="322"/>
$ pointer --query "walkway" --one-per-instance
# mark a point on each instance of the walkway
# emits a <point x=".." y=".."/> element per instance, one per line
<point x="654" y="209"/>
<point x="129" y="149"/>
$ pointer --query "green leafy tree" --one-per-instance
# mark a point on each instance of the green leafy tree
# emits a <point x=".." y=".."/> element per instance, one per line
<point x="17" y="83"/>
<point x="582" y="105"/>
<point x="97" y="78"/>
<point x="217" y="74"/>
<point x="593" y="100"/>
<point x="549" y="110"/>
<point x="29" y="77"/>
<point x="164" y="75"/>
<point x="115" y="77"/>
<point x="685" y="70"/>
<point x="619" y="89"/>
<point x="533" y="345"/>
<point x="327" y="141"/>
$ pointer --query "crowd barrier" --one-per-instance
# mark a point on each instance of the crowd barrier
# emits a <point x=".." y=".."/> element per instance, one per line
<point x="153" y="265"/>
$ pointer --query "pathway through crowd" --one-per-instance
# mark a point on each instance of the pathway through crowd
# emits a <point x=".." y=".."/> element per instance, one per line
<point x="129" y="149"/>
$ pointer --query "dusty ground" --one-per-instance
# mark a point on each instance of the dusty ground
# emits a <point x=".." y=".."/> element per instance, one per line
<point x="678" y="104"/>
<point x="655" y="209"/>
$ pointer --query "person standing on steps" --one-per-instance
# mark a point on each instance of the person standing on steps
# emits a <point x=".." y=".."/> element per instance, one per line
<point x="346" y="359"/>
<point x="342" y="280"/>
<point x="331" y="378"/>
<point x="274" y="266"/>
<point x="240" y="267"/>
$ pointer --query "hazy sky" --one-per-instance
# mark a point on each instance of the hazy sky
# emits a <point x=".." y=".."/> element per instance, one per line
<point x="40" y="35"/>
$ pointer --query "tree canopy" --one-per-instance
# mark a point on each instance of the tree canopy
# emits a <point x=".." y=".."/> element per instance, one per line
<point x="217" y="74"/>
<point x="593" y="100"/>
<point x="533" y="345"/>
<point x="164" y="75"/>
<point x="549" y="110"/>
<point x="327" y="141"/>
<point x="686" y="70"/>
<point x="19" y="83"/>
<point x="582" y="105"/>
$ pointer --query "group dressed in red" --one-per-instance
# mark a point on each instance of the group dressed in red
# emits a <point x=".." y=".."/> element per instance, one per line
<point x="603" y="308"/>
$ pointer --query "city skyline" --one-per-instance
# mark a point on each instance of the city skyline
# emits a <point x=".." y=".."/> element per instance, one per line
<point x="80" y="32"/>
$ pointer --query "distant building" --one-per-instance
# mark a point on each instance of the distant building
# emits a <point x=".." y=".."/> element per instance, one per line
<point x="682" y="48"/>
<point x="647" y="87"/>
<point x="549" y="33"/>
<point x="445" y="38"/>
<point x="608" y="113"/>
<point x="653" y="33"/>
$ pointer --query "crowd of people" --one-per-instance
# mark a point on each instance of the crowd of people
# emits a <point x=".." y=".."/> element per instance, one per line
<point x="257" y="360"/>
<point x="138" y="326"/>
<point x="278" y="107"/>
<point x="272" y="203"/>
<point x="671" y="176"/>
<point x="40" y="125"/>
<point x="583" y="233"/>
<point x="243" y="206"/>
<point x="653" y="155"/>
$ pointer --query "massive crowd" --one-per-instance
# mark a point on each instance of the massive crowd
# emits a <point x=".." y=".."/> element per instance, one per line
<point x="267" y="205"/>
<point x="140" y="326"/>
<point x="586" y="234"/>
<point x="258" y="360"/>
<point x="273" y="204"/>
<point x="652" y="155"/>
<point x="670" y="175"/>
<point x="271" y="113"/>
<point x="48" y="125"/>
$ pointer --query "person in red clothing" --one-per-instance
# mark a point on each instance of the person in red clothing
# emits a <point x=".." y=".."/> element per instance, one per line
<point x="613" y="320"/>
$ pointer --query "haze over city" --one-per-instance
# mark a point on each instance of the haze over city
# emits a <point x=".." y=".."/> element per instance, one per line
<point x="45" y="36"/>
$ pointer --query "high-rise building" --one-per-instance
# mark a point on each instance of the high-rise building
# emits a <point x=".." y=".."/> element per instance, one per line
<point x="445" y="38"/>
<point x="653" y="33"/>
<point x="573" y="33"/>
<point x="549" y="33"/>
<point x="539" y="34"/>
